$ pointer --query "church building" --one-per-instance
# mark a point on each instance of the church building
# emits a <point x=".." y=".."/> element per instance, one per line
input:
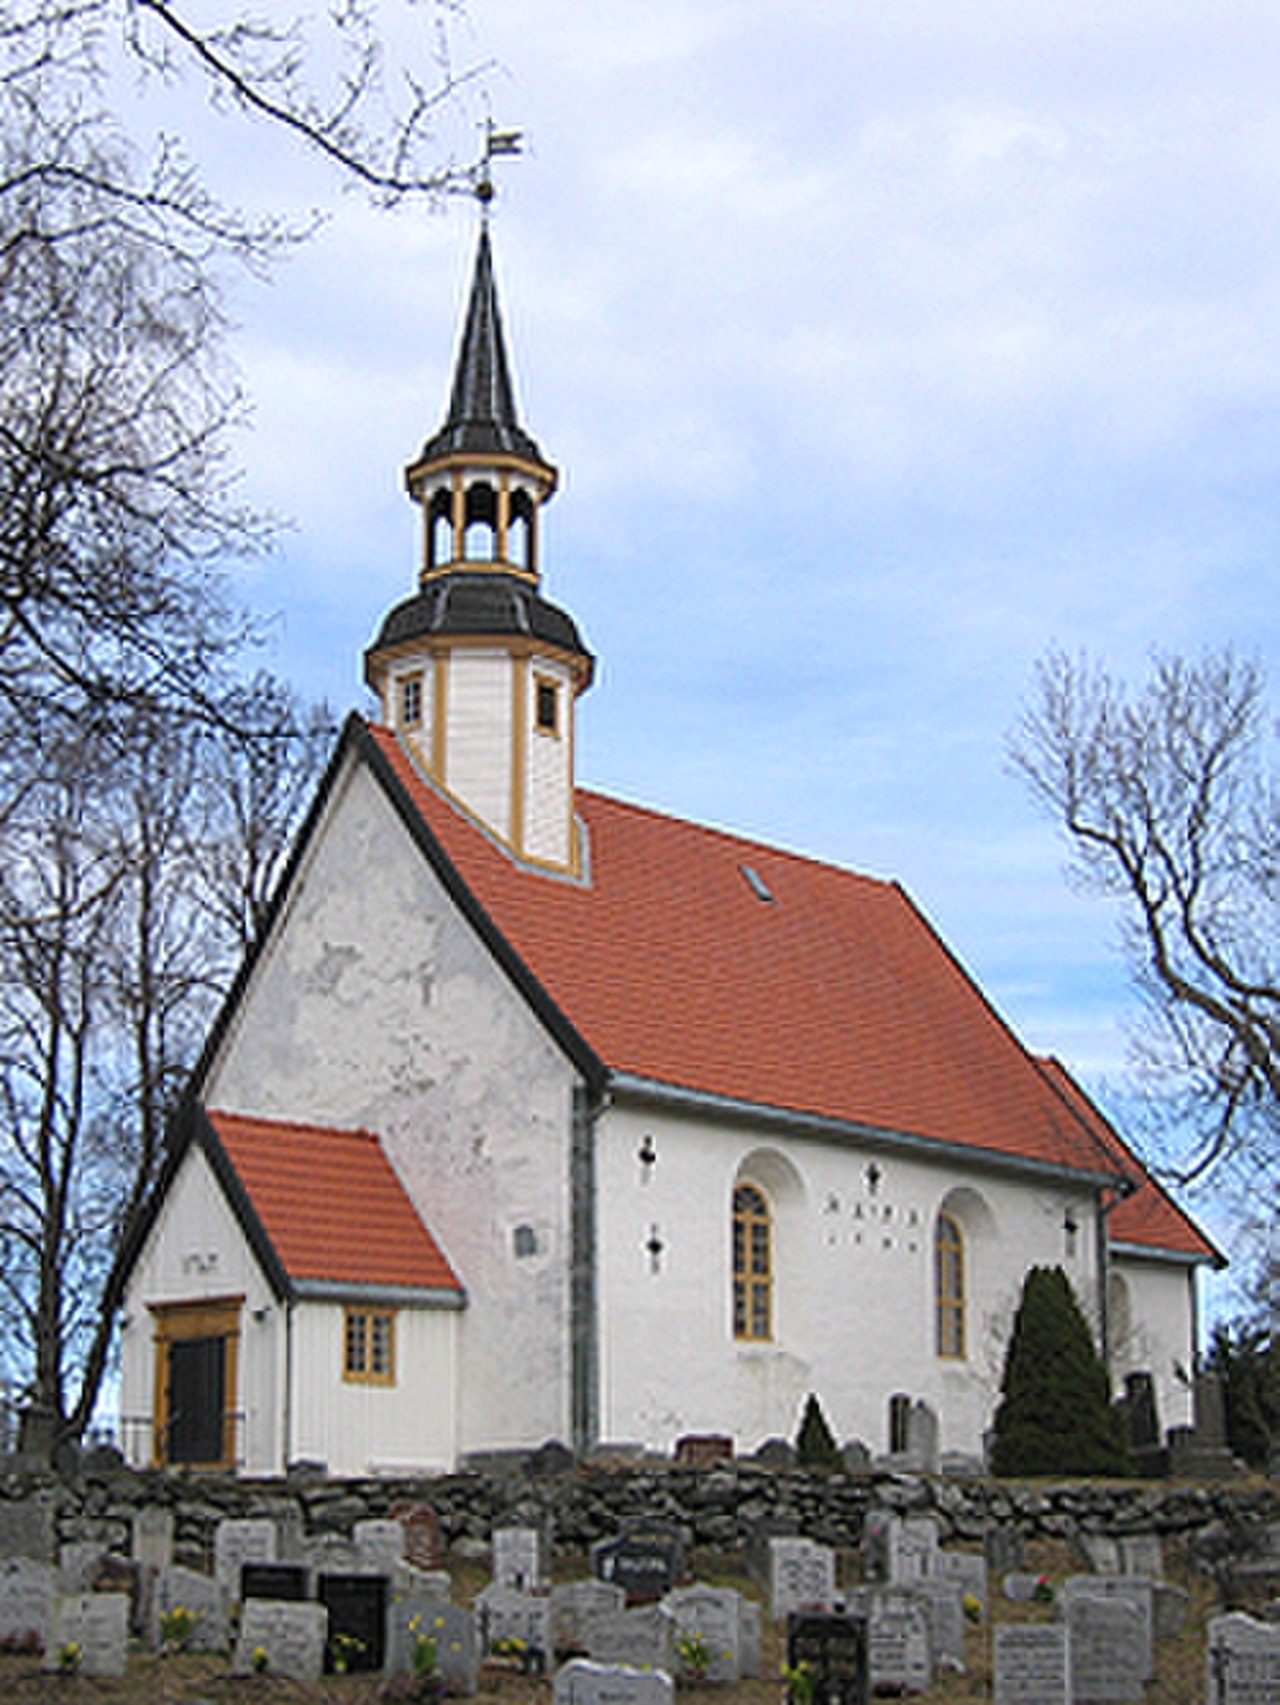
<point x="534" y="1114"/>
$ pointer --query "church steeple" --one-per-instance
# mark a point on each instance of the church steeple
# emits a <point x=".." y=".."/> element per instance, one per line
<point x="478" y="672"/>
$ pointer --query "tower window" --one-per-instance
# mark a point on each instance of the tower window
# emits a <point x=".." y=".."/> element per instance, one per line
<point x="440" y="530"/>
<point x="948" y="1268"/>
<point x="547" y="706"/>
<point x="752" y="1264"/>
<point x="411" y="701"/>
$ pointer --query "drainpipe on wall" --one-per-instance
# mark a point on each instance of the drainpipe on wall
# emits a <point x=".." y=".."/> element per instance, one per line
<point x="287" y="1419"/>
<point x="584" y="1350"/>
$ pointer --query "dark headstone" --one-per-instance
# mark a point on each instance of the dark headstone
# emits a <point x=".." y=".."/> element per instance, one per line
<point x="703" y="1450"/>
<point x="646" y="1560"/>
<point x="1140" y="1415"/>
<point x="834" y="1649"/>
<point x="775" y="1453"/>
<point x="899" y="1421"/>
<point x="421" y="1533"/>
<point x="551" y="1458"/>
<point x="357" y="1606"/>
<point x="288" y="1581"/>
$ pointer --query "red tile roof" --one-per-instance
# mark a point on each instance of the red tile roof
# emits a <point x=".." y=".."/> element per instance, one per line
<point x="835" y="999"/>
<point x="331" y="1205"/>
<point x="1150" y="1218"/>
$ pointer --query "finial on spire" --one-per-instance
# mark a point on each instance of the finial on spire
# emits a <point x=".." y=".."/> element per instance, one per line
<point x="496" y="144"/>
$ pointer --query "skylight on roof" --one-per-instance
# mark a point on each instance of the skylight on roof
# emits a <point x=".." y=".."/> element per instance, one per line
<point x="757" y="884"/>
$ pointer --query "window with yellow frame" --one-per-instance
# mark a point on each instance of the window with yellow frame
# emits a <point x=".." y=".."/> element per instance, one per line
<point x="948" y="1270"/>
<point x="752" y="1264"/>
<point x="369" y="1346"/>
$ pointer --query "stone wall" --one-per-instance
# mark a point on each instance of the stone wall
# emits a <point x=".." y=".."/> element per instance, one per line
<point x="718" y="1507"/>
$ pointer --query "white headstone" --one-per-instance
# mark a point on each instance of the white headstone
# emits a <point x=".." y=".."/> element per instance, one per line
<point x="379" y="1546"/>
<point x="452" y="1632"/>
<point x="944" y="1606"/>
<point x="802" y="1576"/>
<point x="1141" y="1554"/>
<point x="1128" y="1589"/>
<point x="581" y="1682"/>
<point x="503" y="1614"/>
<point x="913" y="1545"/>
<point x="1243" y="1663"/>
<point x="713" y="1615"/>
<point x="898" y="1644"/>
<point x="643" y="1638"/>
<point x="1032" y="1665"/>
<point x="93" y="1625"/>
<point x="517" y="1558"/>
<point x="26" y="1603"/>
<point x="1106" y="1639"/>
<point x="574" y="1604"/>
<point x="153" y="1536"/>
<point x="969" y="1571"/>
<point x="199" y="1595"/>
<point x="248" y="1539"/>
<point x="290" y="1636"/>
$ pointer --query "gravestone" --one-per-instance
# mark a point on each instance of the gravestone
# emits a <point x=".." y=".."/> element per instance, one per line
<point x="1141" y="1554"/>
<point x="1128" y="1589"/>
<point x="330" y="1554"/>
<point x="379" y="1547"/>
<point x="96" y="1623"/>
<point x="78" y="1565"/>
<point x="1099" y="1552"/>
<point x="26" y="1602"/>
<point x="357" y="1606"/>
<point x="899" y="1413"/>
<point x="645" y="1560"/>
<point x="1169" y="1608"/>
<point x="802" y="1577"/>
<point x="289" y="1581"/>
<point x="504" y="1614"/>
<point x="713" y="1614"/>
<point x="247" y="1539"/>
<point x="922" y="1439"/>
<point x="855" y="1455"/>
<point x="1142" y="1422"/>
<point x="898" y="1655"/>
<point x="639" y="1638"/>
<point x="1108" y="1650"/>
<point x="581" y="1682"/>
<point x="26" y="1528"/>
<point x="421" y="1533"/>
<point x="433" y="1586"/>
<point x="152" y="1537"/>
<point x="968" y="1571"/>
<point x="453" y="1632"/>
<point x="913" y="1545"/>
<point x="833" y="1648"/>
<point x="703" y="1450"/>
<point x="760" y="1534"/>
<point x="573" y="1604"/>
<point x="1243" y="1661"/>
<point x="291" y="1638"/>
<point x="200" y="1595"/>
<point x="944" y="1607"/>
<point x="1032" y="1665"/>
<point x="517" y="1558"/>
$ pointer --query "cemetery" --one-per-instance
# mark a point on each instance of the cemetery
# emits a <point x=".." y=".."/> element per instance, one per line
<point x="724" y="1579"/>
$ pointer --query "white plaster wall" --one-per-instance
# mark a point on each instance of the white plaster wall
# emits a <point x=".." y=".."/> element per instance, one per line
<point x="550" y="773"/>
<point x="361" y="1429"/>
<point x="1159" y="1334"/>
<point x="374" y="1005"/>
<point x="479" y="733"/>
<point x="855" y="1296"/>
<point x="196" y="1250"/>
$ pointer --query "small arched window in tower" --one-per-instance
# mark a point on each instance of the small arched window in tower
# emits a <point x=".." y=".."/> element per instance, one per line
<point x="440" y="530"/>
<point x="480" y="543"/>
<point x="520" y="530"/>
<point x="948" y="1274"/>
<point x="752" y="1264"/>
<point x="546" y="705"/>
<point x="410" y="701"/>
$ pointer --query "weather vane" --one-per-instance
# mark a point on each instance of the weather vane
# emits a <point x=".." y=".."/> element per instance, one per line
<point x="496" y="143"/>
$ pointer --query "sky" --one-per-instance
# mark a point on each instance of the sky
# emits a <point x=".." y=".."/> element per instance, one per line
<point x="880" y="348"/>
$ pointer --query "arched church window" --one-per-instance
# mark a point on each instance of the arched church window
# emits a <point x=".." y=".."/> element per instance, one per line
<point x="752" y="1264"/>
<point x="480" y="542"/>
<point x="948" y="1271"/>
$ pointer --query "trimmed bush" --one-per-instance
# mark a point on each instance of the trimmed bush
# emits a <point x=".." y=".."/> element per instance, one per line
<point x="1055" y="1415"/>
<point x="815" y="1445"/>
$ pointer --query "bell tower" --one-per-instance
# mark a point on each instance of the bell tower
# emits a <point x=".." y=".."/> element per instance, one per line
<point x="477" y="672"/>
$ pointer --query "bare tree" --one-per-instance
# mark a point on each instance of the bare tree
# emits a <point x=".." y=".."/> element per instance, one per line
<point x="121" y="920"/>
<point x="1169" y="801"/>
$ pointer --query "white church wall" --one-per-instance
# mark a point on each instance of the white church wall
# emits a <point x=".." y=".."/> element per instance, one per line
<point x="357" y="1428"/>
<point x="374" y="1005"/>
<point x="196" y="1251"/>
<point x="1152" y="1330"/>
<point x="480" y="729"/>
<point x="855" y="1311"/>
<point x="547" y="825"/>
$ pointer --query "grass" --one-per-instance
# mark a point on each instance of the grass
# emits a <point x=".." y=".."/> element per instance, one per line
<point x="200" y="1680"/>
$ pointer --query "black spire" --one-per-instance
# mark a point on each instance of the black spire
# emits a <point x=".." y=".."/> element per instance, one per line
<point x="482" y="408"/>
